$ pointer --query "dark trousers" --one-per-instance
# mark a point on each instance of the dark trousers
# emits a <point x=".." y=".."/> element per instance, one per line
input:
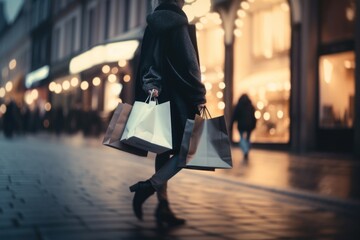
<point x="165" y="168"/>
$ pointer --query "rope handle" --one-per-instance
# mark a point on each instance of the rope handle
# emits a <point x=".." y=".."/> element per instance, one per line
<point x="204" y="113"/>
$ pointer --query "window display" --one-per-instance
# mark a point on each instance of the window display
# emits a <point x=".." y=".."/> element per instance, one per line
<point x="337" y="90"/>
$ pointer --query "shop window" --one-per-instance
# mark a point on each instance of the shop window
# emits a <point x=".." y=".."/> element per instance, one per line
<point x="262" y="68"/>
<point x="337" y="90"/>
<point x="268" y="40"/>
<point x="337" y="20"/>
<point x="210" y="34"/>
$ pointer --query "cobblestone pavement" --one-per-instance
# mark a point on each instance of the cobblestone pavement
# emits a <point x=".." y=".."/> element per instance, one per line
<point x="59" y="189"/>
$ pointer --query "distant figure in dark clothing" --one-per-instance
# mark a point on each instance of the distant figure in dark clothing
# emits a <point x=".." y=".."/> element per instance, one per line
<point x="244" y="115"/>
<point x="11" y="120"/>
<point x="59" y="120"/>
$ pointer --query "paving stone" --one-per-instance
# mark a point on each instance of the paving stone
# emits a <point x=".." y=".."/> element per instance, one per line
<point x="56" y="190"/>
<point x="18" y="234"/>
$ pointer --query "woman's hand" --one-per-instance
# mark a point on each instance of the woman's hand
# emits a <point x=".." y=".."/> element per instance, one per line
<point x="201" y="106"/>
<point x="155" y="92"/>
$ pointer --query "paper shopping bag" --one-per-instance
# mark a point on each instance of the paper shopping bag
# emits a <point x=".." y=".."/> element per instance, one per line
<point x="208" y="145"/>
<point x="149" y="127"/>
<point x="116" y="128"/>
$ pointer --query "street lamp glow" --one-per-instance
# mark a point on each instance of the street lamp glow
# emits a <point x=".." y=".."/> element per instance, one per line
<point x="74" y="81"/>
<point x="84" y="85"/>
<point x="122" y="63"/>
<point x="239" y="23"/>
<point x="114" y="70"/>
<point x="280" y="114"/>
<point x="2" y="92"/>
<point x="266" y="116"/>
<point x="221" y="105"/>
<point x="47" y="106"/>
<point x="3" y="108"/>
<point x="96" y="81"/>
<point x="58" y="89"/>
<point x="127" y="78"/>
<point x="28" y="98"/>
<point x="9" y="86"/>
<point x="112" y="78"/>
<point x="52" y="86"/>
<point x="237" y="33"/>
<point x="66" y="85"/>
<point x="241" y="13"/>
<point x="245" y="5"/>
<point x="12" y="64"/>
<point x="260" y="105"/>
<point x="105" y="69"/>
<point x="34" y="94"/>
<point x="222" y="85"/>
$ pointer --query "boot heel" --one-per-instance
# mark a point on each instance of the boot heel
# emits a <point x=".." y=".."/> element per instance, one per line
<point x="134" y="187"/>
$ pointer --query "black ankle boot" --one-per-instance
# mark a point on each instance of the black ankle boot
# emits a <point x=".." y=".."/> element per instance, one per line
<point x="143" y="190"/>
<point x="164" y="215"/>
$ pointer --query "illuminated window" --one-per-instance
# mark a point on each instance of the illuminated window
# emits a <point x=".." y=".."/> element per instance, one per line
<point x="337" y="90"/>
<point x="212" y="60"/>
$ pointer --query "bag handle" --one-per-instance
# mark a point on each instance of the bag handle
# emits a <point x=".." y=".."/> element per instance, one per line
<point x="150" y="96"/>
<point x="204" y="113"/>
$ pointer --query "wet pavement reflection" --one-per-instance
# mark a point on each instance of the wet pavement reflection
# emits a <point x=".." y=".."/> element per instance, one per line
<point x="335" y="176"/>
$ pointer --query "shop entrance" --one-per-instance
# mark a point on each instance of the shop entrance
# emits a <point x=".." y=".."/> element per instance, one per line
<point x="262" y="67"/>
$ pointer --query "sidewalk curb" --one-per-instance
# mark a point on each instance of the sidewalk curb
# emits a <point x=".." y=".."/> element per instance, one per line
<point x="347" y="206"/>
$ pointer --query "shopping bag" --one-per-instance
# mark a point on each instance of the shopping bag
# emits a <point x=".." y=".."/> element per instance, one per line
<point x="116" y="128"/>
<point x="149" y="127"/>
<point x="205" y="144"/>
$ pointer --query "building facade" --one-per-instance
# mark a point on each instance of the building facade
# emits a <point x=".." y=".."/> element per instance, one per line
<point x="15" y="60"/>
<point x="94" y="44"/>
<point x="296" y="59"/>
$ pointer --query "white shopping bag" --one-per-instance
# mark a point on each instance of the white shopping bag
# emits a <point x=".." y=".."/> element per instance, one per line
<point x="149" y="127"/>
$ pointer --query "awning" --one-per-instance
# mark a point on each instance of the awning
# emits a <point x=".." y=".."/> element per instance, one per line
<point x="113" y="50"/>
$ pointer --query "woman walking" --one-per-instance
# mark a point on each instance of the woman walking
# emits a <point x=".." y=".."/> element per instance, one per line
<point x="244" y="115"/>
<point x="169" y="68"/>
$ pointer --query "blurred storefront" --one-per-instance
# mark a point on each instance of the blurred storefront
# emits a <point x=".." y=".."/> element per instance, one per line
<point x="94" y="47"/>
<point x="15" y="57"/>
<point x="336" y="82"/>
<point x="260" y="59"/>
<point x="295" y="61"/>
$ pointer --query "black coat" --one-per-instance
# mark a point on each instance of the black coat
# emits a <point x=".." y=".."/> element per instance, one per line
<point x="244" y="115"/>
<point x="168" y="62"/>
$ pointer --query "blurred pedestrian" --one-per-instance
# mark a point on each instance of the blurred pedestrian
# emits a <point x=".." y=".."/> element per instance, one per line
<point x="59" y="120"/>
<point x="170" y="68"/>
<point x="244" y="115"/>
<point x="11" y="119"/>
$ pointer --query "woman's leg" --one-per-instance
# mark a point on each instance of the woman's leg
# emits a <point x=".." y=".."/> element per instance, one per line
<point x="160" y="161"/>
<point x="165" y="167"/>
<point x="167" y="171"/>
<point x="144" y="189"/>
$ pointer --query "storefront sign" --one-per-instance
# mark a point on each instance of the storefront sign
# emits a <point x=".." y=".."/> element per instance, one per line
<point x="37" y="76"/>
<point x="111" y="52"/>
